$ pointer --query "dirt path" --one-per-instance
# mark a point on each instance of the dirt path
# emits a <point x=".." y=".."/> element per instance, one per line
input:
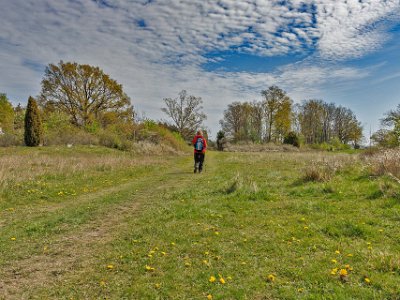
<point x="78" y="248"/>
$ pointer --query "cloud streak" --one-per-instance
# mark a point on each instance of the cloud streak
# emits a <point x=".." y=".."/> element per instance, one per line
<point x="156" y="48"/>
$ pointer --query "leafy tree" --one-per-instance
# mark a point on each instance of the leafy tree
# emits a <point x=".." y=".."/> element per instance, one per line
<point x="392" y="119"/>
<point x="33" y="135"/>
<point x="6" y="114"/>
<point x="84" y="92"/>
<point x="185" y="112"/>
<point x="385" y="138"/>
<point x="277" y="107"/>
<point x="220" y="140"/>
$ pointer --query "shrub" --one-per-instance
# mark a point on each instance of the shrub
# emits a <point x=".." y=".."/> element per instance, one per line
<point x="292" y="139"/>
<point x="8" y="140"/>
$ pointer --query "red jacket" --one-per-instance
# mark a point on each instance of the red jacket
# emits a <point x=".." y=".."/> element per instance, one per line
<point x="194" y="141"/>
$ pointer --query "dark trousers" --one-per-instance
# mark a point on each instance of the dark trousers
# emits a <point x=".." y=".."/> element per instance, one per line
<point x="198" y="161"/>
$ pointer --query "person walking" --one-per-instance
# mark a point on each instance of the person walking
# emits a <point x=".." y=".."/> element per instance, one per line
<point x="200" y="145"/>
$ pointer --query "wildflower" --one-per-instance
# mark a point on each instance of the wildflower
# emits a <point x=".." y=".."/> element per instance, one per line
<point x="206" y="253"/>
<point x="349" y="255"/>
<point x="187" y="264"/>
<point x="206" y="262"/>
<point x="163" y="253"/>
<point x="380" y="230"/>
<point x="212" y="279"/>
<point x="216" y="233"/>
<point x="303" y="219"/>
<point x="222" y="280"/>
<point x="13" y="238"/>
<point x="300" y="290"/>
<point x="229" y="278"/>
<point x="334" y="271"/>
<point x="209" y="297"/>
<point x="343" y="273"/>
<point x="334" y="261"/>
<point x="270" y="278"/>
<point x="157" y="285"/>
<point x="348" y="267"/>
<point x="149" y="268"/>
<point x="337" y="252"/>
<point x="306" y="227"/>
<point x="367" y="280"/>
<point x="173" y="244"/>
<point x="110" y="267"/>
<point x="102" y="283"/>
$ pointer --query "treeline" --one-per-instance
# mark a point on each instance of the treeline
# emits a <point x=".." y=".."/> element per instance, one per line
<point x="79" y="104"/>
<point x="276" y="119"/>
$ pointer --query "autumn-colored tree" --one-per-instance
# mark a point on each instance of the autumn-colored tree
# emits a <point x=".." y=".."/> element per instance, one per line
<point x="84" y="92"/>
<point x="33" y="134"/>
<point x="186" y="113"/>
<point x="6" y="114"/>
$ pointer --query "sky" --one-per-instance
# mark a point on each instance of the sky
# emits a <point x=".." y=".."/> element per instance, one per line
<point x="343" y="51"/>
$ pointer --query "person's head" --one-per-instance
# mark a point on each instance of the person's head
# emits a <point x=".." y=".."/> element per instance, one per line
<point x="199" y="132"/>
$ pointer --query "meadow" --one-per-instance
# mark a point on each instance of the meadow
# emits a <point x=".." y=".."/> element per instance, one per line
<point x="97" y="223"/>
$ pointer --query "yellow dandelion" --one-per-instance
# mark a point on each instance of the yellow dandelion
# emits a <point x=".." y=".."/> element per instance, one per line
<point x="334" y="261"/>
<point x="163" y="253"/>
<point x="110" y="267"/>
<point x="187" y="264"/>
<point x="209" y="297"/>
<point x="206" y="262"/>
<point x="173" y="244"/>
<point x="206" y="253"/>
<point x="349" y="255"/>
<point x="150" y="255"/>
<point x="300" y="290"/>
<point x="343" y="273"/>
<point x="13" y="238"/>
<point x="216" y="233"/>
<point x="334" y="271"/>
<point x="367" y="280"/>
<point x="157" y="285"/>
<point x="244" y="263"/>
<point x="306" y="227"/>
<point x="229" y="278"/>
<point x="337" y="252"/>
<point x="348" y="267"/>
<point x="102" y="283"/>
<point x="149" y="268"/>
<point x="380" y="230"/>
<point x="212" y="279"/>
<point x="303" y="219"/>
<point x="270" y="278"/>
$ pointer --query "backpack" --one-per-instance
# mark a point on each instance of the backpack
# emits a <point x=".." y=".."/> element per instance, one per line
<point x="199" y="145"/>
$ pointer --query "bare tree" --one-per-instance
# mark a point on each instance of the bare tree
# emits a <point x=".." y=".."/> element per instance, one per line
<point x="185" y="112"/>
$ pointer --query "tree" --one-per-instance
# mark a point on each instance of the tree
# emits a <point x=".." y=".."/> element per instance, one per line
<point x="392" y="119"/>
<point x="84" y="92"/>
<point x="185" y="112"/>
<point x="277" y="108"/>
<point x="6" y="114"/>
<point x="220" y="140"/>
<point x="33" y="125"/>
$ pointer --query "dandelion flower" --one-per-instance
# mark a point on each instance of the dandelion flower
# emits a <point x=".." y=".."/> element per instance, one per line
<point x="348" y="267"/>
<point x="337" y="252"/>
<point x="270" y="278"/>
<point x="206" y="253"/>
<point x="334" y="261"/>
<point x="306" y="227"/>
<point x="222" y="280"/>
<point x="149" y="268"/>
<point x="163" y="253"/>
<point x="343" y="273"/>
<point x="349" y="255"/>
<point x="380" y="230"/>
<point x="173" y="244"/>
<point x="212" y="279"/>
<point x="216" y="233"/>
<point x="102" y="283"/>
<point x="110" y="267"/>
<point x="13" y="238"/>
<point x="229" y="277"/>
<point x="303" y="219"/>
<point x="209" y="297"/>
<point x="187" y="264"/>
<point x="157" y="285"/>
<point x="334" y="271"/>
<point x="367" y="280"/>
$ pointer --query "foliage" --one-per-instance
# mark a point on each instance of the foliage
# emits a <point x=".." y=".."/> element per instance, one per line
<point x="33" y="135"/>
<point x="185" y="112"/>
<point x="6" y="114"/>
<point x="292" y="139"/>
<point x="277" y="106"/>
<point x="220" y="140"/>
<point x="389" y="137"/>
<point x="85" y="93"/>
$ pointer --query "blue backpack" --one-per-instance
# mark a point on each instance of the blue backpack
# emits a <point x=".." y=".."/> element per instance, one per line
<point x="199" y="145"/>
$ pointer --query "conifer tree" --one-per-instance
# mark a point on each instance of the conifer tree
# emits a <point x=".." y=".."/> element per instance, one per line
<point x="33" y="125"/>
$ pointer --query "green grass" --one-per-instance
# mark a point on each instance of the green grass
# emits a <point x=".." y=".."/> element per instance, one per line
<point x="246" y="217"/>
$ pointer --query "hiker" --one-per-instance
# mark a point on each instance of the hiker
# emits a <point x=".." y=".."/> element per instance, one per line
<point x="200" y="145"/>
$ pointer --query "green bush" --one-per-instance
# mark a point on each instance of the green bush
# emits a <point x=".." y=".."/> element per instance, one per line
<point x="33" y="134"/>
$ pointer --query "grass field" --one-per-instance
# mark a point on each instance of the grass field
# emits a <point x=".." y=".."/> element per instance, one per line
<point x="94" y="223"/>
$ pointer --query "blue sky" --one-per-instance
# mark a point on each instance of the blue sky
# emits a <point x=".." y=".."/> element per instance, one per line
<point x="343" y="51"/>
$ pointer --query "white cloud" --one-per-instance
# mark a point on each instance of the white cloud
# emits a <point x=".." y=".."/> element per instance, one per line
<point x="156" y="48"/>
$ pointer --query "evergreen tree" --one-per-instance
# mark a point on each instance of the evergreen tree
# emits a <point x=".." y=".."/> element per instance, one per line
<point x="33" y="125"/>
